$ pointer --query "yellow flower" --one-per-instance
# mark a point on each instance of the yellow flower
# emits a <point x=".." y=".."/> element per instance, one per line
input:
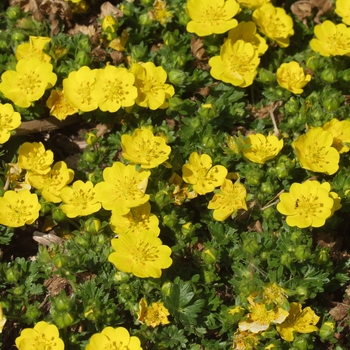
<point x="259" y="319"/>
<point x="342" y="9"/>
<point x="34" y="157"/>
<point x="51" y="183"/>
<point x="19" y="208"/>
<point x="236" y="64"/>
<point x="274" y="23"/>
<point x="9" y="120"/>
<point x="228" y="200"/>
<point x="160" y="12"/>
<point x="260" y="148"/>
<point x="315" y="152"/>
<point x="151" y="88"/>
<point x="243" y="340"/>
<point x="114" y="338"/>
<point x="331" y="39"/>
<point x="109" y="26"/>
<point x="77" y="89"/>
<point x="2" y="319"/>
<point x="274" y="294"/>
<point x="124" y="188"/>
<point x="138" y="219"/>
<point x="114" y="88"/>
<point x="145" y="149"/>
<point x="341" y="134"/>
<point x="301" y="321"/>
<point x="143" y="254"/>
<point x="200" y="173"/>
<point x="211" y="16"/>
<point x="253" y="4"/>
<point x="246" y="31"/>
<point x="33" y="49"/>
<point x="28" y="82"/>
<point x="80" y="200"/>
<point x="59" y="106"/>
<point x="291" y="77"/>
<point x="153" y="315"/>
<point x="119" y="43"/>
<point x="307" y="204"/>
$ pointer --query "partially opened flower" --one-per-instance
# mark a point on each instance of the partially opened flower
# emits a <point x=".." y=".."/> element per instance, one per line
<point x="114" y="88"/>
<point x="299" y="321"/>
<point x="78" y="89"/>
<point x="59" y="105"/>
<point x="19" y="208"/>
<point x="228" y="200"/>
<point x="28" y="82"/>
<point x="138" y="219"/>
<point x="252" y="4"/>
<point x="291" y="77"/>
<point x="160" y="12"/>
<point x="42" y="336"/>
<point x="80" y="199"/>
<point x="33" y="49"/>
<point x="9" y="120"/>
<point x="331" y="39"/>
<point x="151" y="88"/>
<point x="315" y="152"/>
<point x="154" y="315"/>
<point x="123" y="188"/>
<point x="200" y="173"/>
<point x="246" y="31"/>
<point x="307" y="204"/>
<point x="341" y="134"/>
<point x="342" y="9"/>
<point x="211" y="16"/>
<point x="51" y="184"/>
<point x="113" y="338"/>
<point x="145" y="149"/>
<point x="34" y="157"/>
<point x="142" y="254"/>
<point x="274" y="23"/>
<point x="262" y="148"/>
<point x="236" y="64"/>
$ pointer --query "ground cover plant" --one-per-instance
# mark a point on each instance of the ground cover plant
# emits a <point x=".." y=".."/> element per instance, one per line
<point x="174" y="174"/>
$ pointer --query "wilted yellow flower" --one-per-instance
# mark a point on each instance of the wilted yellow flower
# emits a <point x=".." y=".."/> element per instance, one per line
<point x="252" y="4"/>
<point x="59" y="106"/>
<point x="34" y="157"/>
<point x="9" y="120"/>
<point x="260" y="148"/>
<point x="307" y="204"/>
<point x="153" y="315"/>
<point x="315" y="152"/>
<point x="114" y="88"/>
<point x="51" y="183"/>
<point x="19" y="208"/>
<point x="244" y="340"/>
<point x="300" y="321"/>
<point x="33" y="49"/>
<point x="259" y="319"/>
<point x="17" y="179"/>
<point x="151" y="88"/>
<point x="28" y="82"/>
<point x="42" y="336"/>
<point x="228" y="200"/>
<point x="118" y="43"/>
<point x="211" y="16"/>
<point x="246" y="31"/>
<point x="274" y="294"/>
<point x="342" y="9"/>
<point x="142" y="254"/>
<point x="160" y="12"/>
<point x="123" y="188"/>
<point x="80" y="199"/>
<point x="117" y="338"/>
<point x="341" y="134"/>
<point x="180" y="193"/>
<point x="138" y="219"/>
<point x="236" y="64"/>
<point x="200" y="173"/>
<point x="145" y="149"/>
<point x="77" y="89"/>
<point x="331" y="39"/>
<point x="274" y="23"/>
<point x="291" y="77"/>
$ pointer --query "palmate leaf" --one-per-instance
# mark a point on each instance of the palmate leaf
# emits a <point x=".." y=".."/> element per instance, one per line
<point x="181" y="303"/>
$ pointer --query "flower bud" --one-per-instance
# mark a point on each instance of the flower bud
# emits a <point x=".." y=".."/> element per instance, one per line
<point x="266" y="76"/>
<point x="302" y="291"/>
<point x="84" y="43"/>
<point x="253" y="177"/>
<point x="300" y="344"/>
<point x="286" y="259"/>
<point x="314" y="63"/>
<point x="268" y="188"/>
<point x="138" y="52"/>
<point x="121" y="277"/>
<point x="329" y="75"/>
<point x="82" y="58"/>
<point x="18" y="35"/>
<point x="184" y="18"/>
<point x="250" y="245"/>
<point x="170" y="220"/>
<point x="292" y="106"/>
<point x="32" y="313"/>
<point x="92" y="313"/>
<point x="63" y="320"/>
<point x="302" y="252"/>
<point x="60" y="261"/>
<point x="323" y="257"/>
<point x="166" y="288"/>
<point x="58" y="215"/>
<point x="331" y="103"/>
<point x="92" y="225"/>
<point x="177" y="77"/>
<point x="109" y="25"/>
<point x="91" y="138"/>
<point x="163" y="198"/>
<point x="209" y="255"/>
<point x="327" y="330"/>
<point x="13" y="12"/>
<point x="19" y="290"/>
<point x="145" y="19"/>
<point x="187" y="228"/>
<point x="12" y="275"/>
<point x="209" y="141"/>
<point x="346" y="75"/>
<point x="89" y="156"/>
<point x="209" y="276"/>
<point x="170" y="38"/>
